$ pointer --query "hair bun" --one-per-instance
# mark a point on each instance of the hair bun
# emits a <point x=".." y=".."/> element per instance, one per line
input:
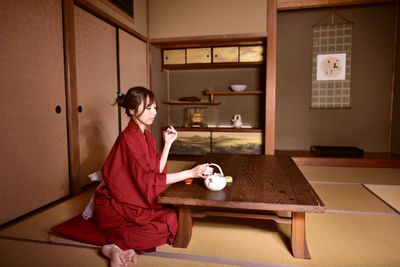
<point x="120" y="99"/>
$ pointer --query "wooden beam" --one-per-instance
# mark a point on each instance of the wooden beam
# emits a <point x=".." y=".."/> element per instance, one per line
<point x="303" y="4"/>
<point x="393" y="83"/>
<point x="222" y="39"/>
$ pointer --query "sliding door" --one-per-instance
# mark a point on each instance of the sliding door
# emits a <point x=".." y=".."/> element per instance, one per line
<point x="133" y="65"/>
<point x="96" y="61"/>
<point x="33" y="135"/>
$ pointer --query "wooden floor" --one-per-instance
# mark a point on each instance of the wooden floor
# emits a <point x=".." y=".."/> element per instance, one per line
<point x="358" y="229"/>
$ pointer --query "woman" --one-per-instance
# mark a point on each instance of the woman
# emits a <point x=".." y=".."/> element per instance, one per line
<point x="126" y="208"/>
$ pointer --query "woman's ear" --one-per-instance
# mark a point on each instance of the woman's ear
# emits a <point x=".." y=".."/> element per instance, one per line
<point x="131" y="112"/>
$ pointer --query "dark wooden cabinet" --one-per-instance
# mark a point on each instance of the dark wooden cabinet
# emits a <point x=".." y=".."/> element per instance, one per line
<point x="191" y="66"/>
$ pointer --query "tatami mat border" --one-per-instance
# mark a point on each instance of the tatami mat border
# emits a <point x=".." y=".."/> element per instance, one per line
<point x="329" y="182"/>
<point x="376" y="195"/>
<point x="27" y="240"/>
<point x="361" y="212"/>
<point x="215" y="260"/>
<point x="169" y="255"/>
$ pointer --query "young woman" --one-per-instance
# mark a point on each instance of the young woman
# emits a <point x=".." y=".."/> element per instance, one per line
<point x="126" y="208"/>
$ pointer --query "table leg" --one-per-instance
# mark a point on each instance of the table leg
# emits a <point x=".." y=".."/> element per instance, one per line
<point x="184" y="229"/>
<point x="299" y="243"/>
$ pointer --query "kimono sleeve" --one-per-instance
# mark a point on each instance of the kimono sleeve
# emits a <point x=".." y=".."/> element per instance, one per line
<point x="144" y="172"/>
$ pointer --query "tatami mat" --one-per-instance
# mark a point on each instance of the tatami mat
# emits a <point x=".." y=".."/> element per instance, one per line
<point x="333" y="240"/>
<point x="350" y="197"/>
<point x="37" y="227"/>
<point x="390" y="176"/>
<point x="31" y="254"/>
<point x="253" y="240"/>
<point x="388" y="193"/>
<point x="28" y="254"/>
<point x="363" y="236"/>
<point x="353" y="240"/>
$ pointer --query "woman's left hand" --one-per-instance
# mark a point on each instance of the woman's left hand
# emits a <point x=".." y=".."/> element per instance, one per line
<point x="170" y="135"/>
<point x="202" y="171"/>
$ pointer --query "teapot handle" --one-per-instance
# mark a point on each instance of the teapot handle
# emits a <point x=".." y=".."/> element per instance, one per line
<point x="219" y="168"/>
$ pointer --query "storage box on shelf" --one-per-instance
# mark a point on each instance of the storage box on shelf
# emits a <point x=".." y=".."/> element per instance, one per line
<point x="209" y="57"/>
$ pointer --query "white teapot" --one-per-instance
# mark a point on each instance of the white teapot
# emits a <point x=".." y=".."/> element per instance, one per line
<point x="237" y="121"/>
<point x="215" y="181"/>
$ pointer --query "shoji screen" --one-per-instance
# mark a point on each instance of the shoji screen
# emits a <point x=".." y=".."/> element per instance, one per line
<point x="33" y="136"/>
<point x="133" y="65"/>
<point x="96" y="60"/>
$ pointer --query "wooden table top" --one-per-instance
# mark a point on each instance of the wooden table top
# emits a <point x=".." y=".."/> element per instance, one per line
<point x="260" y="182"/>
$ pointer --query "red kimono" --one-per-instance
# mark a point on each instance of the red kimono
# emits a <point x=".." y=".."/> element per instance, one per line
<point x="126" y="208"/>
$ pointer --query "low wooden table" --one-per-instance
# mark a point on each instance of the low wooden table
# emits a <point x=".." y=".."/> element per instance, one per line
<point x="261" y="186"/>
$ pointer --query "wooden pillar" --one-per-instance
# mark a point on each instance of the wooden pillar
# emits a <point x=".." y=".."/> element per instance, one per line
<point x="271" y="77"/>
<point x="71" y="95"/>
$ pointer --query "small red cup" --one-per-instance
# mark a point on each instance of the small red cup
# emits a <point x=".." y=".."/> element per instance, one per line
<point x="188" y="181"/>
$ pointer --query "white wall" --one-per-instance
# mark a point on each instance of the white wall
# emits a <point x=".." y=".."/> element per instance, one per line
<point x="182" y="18"/>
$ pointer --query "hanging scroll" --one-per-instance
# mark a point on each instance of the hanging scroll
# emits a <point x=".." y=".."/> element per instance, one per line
<point x="331" y="64"/>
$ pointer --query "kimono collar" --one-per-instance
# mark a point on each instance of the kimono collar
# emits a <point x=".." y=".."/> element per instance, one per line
<point x="146" y="143"/>
<point x="132" y="126"/>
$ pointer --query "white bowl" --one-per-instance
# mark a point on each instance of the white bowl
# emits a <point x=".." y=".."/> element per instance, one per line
<point x="238" y="87"/>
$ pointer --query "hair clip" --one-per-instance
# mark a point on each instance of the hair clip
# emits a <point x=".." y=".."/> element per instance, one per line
<point x="119" y="94"/>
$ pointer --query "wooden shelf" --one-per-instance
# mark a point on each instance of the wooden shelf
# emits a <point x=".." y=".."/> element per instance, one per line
<point x="216" y="129"/>
<point x="211" y="40"/>
<point x="232" y="93"/>
<point x="214" y="65"/>
<point x="177" y="102"/>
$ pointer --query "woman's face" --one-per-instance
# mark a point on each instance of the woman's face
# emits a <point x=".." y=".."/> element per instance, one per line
<point x="149" y="113"/>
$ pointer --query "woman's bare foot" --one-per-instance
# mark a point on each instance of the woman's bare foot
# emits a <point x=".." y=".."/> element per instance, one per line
<point x="129" y="255"/>
<point x="117" y="256"/>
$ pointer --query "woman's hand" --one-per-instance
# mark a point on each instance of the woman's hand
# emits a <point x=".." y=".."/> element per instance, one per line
<point x="170" y="135"/>
<point x="202" y="171"/>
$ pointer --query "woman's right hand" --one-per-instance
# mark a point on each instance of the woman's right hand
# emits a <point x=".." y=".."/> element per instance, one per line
<point x="170" y="135"/>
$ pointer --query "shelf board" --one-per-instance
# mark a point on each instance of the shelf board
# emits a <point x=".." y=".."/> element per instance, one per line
<point x="213" y="65"/>
<point x="177" y="102"/>
<point x="211" y="40"/>
<point x="215" y="129"/>
<point x="233" y="93"/>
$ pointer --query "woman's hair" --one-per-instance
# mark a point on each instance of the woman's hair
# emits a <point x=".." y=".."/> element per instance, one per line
<point x="133" y="98"/>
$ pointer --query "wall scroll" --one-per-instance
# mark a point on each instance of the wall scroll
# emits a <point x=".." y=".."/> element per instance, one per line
<point x="331" y="63"/>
